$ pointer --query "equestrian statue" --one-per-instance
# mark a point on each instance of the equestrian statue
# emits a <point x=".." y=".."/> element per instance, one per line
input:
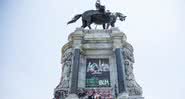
<point x="99" y="17"/>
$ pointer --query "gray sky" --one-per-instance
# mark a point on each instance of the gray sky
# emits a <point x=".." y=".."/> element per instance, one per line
<point x="32" y="33"/>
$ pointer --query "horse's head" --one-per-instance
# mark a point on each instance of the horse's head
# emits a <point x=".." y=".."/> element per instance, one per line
<point x="121" y="16"/>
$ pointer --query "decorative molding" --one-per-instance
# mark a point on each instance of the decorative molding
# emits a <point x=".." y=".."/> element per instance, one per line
<point x="133" y="87"/>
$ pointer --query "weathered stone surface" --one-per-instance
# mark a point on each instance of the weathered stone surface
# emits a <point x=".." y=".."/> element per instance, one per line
<point x="132" y="86"/>
<point x="66" y="68"/>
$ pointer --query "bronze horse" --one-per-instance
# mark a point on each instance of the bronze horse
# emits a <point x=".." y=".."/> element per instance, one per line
<point x="99" y="18"/>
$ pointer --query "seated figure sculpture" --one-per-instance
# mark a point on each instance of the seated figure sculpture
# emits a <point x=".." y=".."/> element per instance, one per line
<point x="99" y="7"/>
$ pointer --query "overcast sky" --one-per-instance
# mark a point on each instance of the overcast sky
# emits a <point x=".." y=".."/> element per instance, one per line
<point x="32" y="33"/>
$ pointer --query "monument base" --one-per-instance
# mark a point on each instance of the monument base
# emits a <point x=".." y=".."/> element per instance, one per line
<point x="101" y="56"/>
<point x="72" y="96"/>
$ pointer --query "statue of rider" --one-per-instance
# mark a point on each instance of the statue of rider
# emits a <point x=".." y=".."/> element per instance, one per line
<point x="99" y="7"/>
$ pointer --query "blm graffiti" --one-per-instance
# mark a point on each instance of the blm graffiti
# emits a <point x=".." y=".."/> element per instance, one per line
<point x="97" y="73"/>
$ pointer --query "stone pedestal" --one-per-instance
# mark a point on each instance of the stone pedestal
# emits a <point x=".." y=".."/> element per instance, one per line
<point x="98" y="61"/>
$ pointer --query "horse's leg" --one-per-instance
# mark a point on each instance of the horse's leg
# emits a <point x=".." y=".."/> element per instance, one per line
<point x="84" y="23"/>
<point x="112" y="24"/>
<point x="108" y="25"/>
<point x="89" y="25"/>
<point x="103" y="26"/>
<point x="88" y="20"/>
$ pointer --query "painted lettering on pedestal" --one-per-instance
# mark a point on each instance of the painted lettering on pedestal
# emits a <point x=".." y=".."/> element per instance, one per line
<point x="97" y="73"/>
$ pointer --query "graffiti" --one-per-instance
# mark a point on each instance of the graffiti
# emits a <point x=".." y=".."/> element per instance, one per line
<point x="95" y="68"/>
<point x="103" y="82"/>
<point x="98" y="73"/>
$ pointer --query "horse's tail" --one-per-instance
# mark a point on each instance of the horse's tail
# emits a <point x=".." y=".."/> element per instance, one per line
<point x="75" y="18"/>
